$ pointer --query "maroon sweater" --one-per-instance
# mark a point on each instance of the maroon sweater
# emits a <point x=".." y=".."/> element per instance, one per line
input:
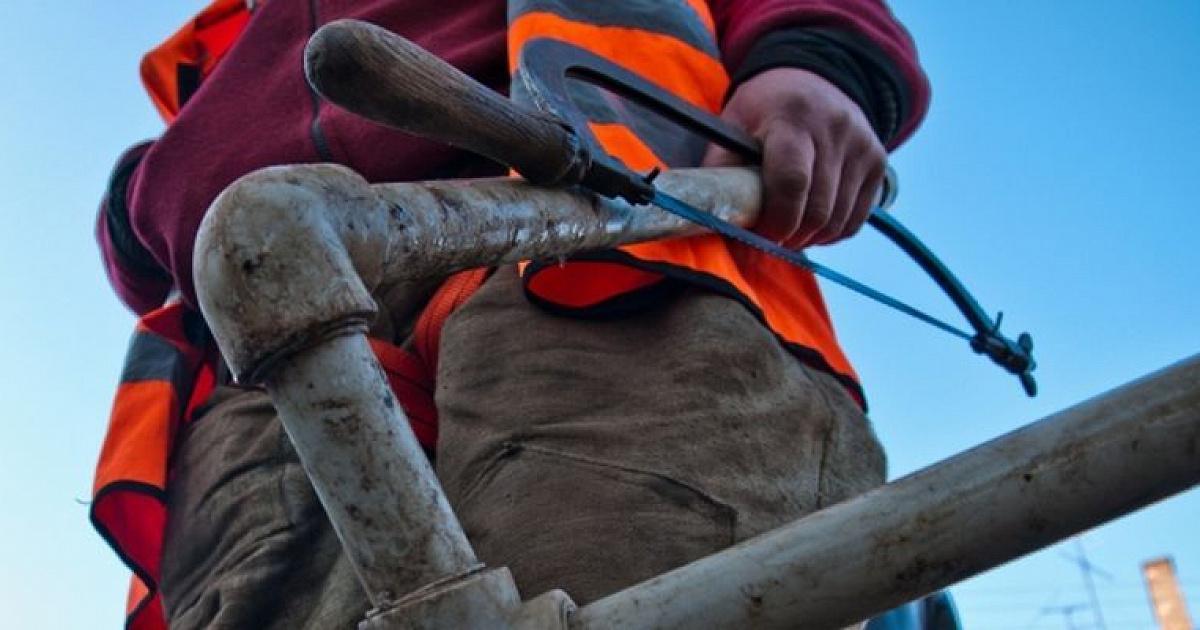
<point x="256" y="110"/>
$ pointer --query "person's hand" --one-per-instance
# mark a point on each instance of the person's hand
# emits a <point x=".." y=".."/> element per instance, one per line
<point x="822" y="164"/>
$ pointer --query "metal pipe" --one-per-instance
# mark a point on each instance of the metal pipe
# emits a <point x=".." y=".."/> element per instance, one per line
<point x="1026" y="490"/>
<point x="376" y="484"/>
<point x="286" y="262"/>
<point x="286" y="253"/>
<point x="444" y="226"/>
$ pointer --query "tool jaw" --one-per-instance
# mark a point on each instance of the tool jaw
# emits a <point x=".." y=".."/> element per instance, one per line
<point x="1014" y="356"/>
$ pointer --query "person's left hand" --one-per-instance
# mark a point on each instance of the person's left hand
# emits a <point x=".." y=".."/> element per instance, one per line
<point x="822" y="164"/>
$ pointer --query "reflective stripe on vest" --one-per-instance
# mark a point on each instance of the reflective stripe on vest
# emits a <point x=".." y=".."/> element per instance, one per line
<point x="168" y="374"/>
<point x="670" y="43"/>
<point x="164" y="377"/>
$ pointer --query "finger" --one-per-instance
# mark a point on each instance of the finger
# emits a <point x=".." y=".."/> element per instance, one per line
<point x="862" y="174"/>
<point x="849" y="183"/>
<point x="865" y="203"/>
<point x="818" y="209"/>
<point x="788" y="157"/>
<point x="717" y="155"/>
<point x="859" y="171"/>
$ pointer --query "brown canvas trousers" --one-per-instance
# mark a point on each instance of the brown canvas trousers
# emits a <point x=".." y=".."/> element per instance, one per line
<point x="583" y="455"/>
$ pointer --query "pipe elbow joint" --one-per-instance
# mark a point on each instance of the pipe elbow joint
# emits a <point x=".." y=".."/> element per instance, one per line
<point x="285" y="257"/>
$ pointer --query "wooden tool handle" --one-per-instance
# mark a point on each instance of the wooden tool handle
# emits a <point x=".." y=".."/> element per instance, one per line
<point x="379" y="75"/>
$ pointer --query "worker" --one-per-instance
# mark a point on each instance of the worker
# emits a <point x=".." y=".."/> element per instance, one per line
<point x="593" y="423"/>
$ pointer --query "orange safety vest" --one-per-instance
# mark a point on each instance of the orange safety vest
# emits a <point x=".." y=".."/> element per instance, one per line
<point x="170" y="369"/>
<point x="672" y="44"/>
<point x="164" y="378"/>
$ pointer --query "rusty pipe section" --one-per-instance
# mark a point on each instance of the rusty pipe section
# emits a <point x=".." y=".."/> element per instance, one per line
<point x="286" y="262"/>
<point x="1026" y="490"/>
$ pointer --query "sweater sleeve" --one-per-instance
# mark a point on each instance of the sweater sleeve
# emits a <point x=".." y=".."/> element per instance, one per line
<point x="139" y="281"/>
<point x="742" y="24"/>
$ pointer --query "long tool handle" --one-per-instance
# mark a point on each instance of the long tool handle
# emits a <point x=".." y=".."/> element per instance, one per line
<point x="390" y="80"/>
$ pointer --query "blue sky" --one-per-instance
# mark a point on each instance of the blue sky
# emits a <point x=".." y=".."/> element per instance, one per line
<point x="1056" y="173"/>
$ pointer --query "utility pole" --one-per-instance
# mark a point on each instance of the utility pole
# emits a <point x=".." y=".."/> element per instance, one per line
<point x="1067" y="612"/>
<point x="1166" y="597"/>
<point x="1087" y="569"/>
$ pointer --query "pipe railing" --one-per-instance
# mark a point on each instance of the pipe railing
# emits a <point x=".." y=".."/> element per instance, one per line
<point x="286" y="264"/>
<point x="1026" y="490"/>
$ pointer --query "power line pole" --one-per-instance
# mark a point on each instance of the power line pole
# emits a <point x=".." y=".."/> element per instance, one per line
<point x="1067" y="612"/>
<point x="1087" y="569"/>
<point x="1166" y="596"/>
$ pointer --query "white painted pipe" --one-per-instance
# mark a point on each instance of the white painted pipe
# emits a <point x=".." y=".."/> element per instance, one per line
<point x="1026" y="490"/>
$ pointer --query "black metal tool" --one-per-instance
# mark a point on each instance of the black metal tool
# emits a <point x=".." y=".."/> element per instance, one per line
<point x="548" y="65"/>
<point x="384" y="77"/>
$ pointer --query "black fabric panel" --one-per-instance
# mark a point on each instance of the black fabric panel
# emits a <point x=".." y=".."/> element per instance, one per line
<point x="129" y="249"/>
<point x="852" y="63"/>
<point x="152" y="358"/>
<point x="195" y="328"/>
<point x="187" y="81"/>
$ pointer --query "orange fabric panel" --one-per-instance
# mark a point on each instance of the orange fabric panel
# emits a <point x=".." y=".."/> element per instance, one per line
<point x="201" y="42"/>
<point x="205" y="383"/>
<point x="138" y="592"/>
<point x="133" y="520"/>
<point x="585" y="283"/>
<point x="453" y="293"/>
<point x="581" y="283"/>
<point x="619" y="141"/>
<point x="143" y="609"/>
<point x="412" y="384"/>
<point x="666" y="61"/>
<point x="151" y="617"/>
<point x="167" y="322"/>
<point x="139" y="435"/>
<point x="787" y="297"/>
<point x="147" y="616"/>
<point x="128" y="506"/>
